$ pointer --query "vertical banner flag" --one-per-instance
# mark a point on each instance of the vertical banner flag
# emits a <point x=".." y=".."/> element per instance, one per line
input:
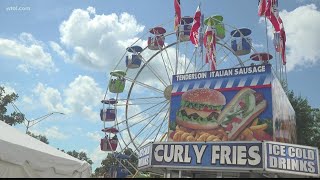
<point x="177" y="17"/>
<point x="282" y="42"/>
<point x="272" y="14"/>
<point x="209" y="41"/>
<point x="262" y="7"/>
<point x="195" y="27"/>
<point x="213" y="44"/>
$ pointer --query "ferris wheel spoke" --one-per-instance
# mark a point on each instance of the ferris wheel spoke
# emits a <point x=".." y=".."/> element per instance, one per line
<point x="193" y="54"/>
<point x="135" y="115"/>
<point x="202" y="67"/>
<point x="149" y="117"/>
<point x="233" y="62"/>
<point x="152" y="119"/>
<point x="154" y="72"/>
<point x="146" y="109"/>
<point x="140" y="121"/>
<point x="169" y="62"/>
<point x="136" y="104"/>
<point x="164" y="119"/>
<point x="227" y="55"/>
<point x="244" y="61"/>
<point x="141" y="130"/>
<point x="143" y="98"/>
<point x="152" y="132"/>
<point x="144" y="85"/>
<point x="165" y="67"/>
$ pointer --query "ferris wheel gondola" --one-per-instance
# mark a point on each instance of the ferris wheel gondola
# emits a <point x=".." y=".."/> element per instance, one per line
<point x="133" y="61"/>
<point x="156" y="41"/>
<point x="216" y="22"/>
<point x="184" y="28"/>
<point x="241" y="42"/>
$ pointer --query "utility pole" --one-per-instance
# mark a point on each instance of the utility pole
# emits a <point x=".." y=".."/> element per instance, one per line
<point x="39" y="119"/>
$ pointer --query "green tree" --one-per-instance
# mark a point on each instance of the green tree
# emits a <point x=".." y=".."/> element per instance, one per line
<point x="79" y="155"/>
<point x="5" y="99"/>
<point x="111" y="161"/>
<point x="307" y="120"/>
<point x="40" y="137"/>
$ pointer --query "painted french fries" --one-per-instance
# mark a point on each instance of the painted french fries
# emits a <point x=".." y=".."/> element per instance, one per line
<point x="250" y="133"/>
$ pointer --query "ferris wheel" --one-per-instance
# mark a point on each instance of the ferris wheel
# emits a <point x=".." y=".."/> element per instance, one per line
<point x="137" y="100"/>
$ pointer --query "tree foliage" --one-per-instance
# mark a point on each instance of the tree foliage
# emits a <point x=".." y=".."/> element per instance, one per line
<point x="5" y="99"/>
<point x="79" y="155"/>
<point x="40" y="137"/>
<point x="111" y="161"/>
<point x="307" y="120"/>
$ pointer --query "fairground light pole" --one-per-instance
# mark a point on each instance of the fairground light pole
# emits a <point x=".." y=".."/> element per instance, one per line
<point x="39" y="119"/>
<point x="36" y="121"/>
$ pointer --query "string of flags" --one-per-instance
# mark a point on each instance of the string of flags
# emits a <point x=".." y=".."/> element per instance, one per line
<point x="194" y="34"/>
<point x="177" y="18"/>
<point x="209" y="42"/>
<point x="267" y="8"/>
<point x="209" y="38"/>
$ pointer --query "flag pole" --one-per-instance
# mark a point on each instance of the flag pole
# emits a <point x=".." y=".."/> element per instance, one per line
<point x="201" y="38"/>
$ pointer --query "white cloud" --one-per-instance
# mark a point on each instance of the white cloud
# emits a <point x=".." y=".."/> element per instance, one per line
<point x="50" y="98"/>
<point x="52" y="133"/>
<point x="57" y="48"/>
<point x="95" y="136"/>
<point x="81" y="97"/>
<point x="8" y="89"/>
<point x="302" y="27"/>
<point x="27" y="100"/>
<point x="28" y="50"/>
<point x="97" y="156"/>
<point x="97" y="40"/>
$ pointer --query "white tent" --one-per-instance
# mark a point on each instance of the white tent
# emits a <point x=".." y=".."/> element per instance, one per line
<point x="23" y="156"/>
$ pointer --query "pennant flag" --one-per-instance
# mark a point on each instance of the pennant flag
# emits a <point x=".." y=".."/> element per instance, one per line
<point x="206" y="41"/>
<point x="195" y="27"/>
<point x="282" y="42"/>
<point x="177" y="10"/>
<point x="272" y="14"/>
<point x="209" y="42"/>
<point x="262" y="7"/>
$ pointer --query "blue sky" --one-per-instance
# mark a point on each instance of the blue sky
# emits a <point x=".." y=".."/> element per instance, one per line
<point x="57" y="55"/>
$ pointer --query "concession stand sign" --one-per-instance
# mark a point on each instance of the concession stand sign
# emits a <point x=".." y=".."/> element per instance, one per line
<point x="237" y="156"/>
<point x="291" y="159"/>
<point x="211" y="156"/>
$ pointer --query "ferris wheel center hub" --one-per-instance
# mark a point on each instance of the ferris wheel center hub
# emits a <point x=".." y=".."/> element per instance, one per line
<point x="167" y="92"/>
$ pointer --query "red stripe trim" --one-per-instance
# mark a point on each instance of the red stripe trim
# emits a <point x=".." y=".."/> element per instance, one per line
<point x="232" y="89"/>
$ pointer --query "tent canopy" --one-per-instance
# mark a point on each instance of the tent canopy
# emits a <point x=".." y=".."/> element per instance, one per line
<point x="24" y="156"/>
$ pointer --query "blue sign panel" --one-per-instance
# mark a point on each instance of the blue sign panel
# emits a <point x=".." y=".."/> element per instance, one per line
<point x="144" y="156"/>
<point x="224" y="105"/>
<point x="213" y="155"/>
<point x="291" y="158"/>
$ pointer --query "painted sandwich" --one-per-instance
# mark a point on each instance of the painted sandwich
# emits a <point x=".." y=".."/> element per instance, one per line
<point x="200" y="109"/>
<point x="245" y="106"/>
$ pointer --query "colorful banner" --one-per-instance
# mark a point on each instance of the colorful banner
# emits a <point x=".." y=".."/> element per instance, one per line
<point x="262" y="157"/>
<point x="223" y="105"/>
<point x="213" y="156"/>
<point x="291" y="159"/>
